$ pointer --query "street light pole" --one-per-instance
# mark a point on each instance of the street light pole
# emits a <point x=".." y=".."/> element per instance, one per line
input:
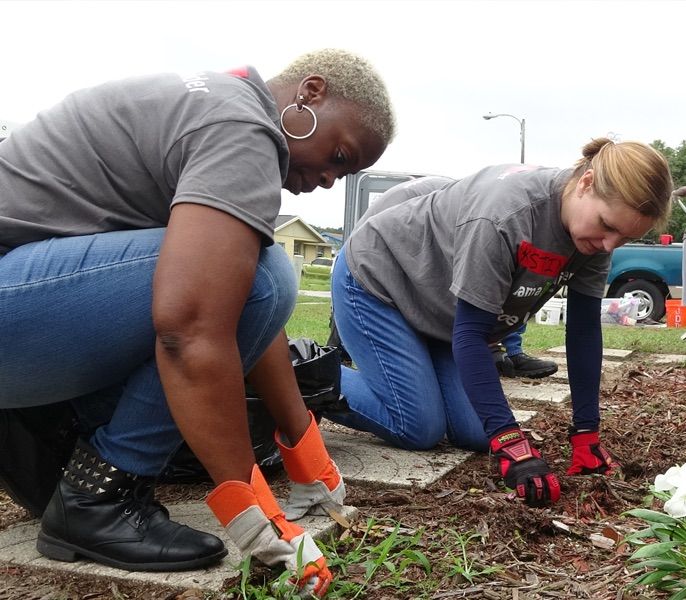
<point x="522" y="130"/>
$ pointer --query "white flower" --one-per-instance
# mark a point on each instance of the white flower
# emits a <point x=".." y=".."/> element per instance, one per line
<point x="676" y="505"/>
<point x="674" y="478"/>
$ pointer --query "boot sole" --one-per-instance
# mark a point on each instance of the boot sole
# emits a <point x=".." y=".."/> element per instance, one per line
<point x="57" y="549"/>
<point x="536" y="374"/>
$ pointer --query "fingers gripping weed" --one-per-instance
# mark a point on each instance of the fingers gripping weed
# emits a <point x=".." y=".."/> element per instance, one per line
<point x="365" y="558"/>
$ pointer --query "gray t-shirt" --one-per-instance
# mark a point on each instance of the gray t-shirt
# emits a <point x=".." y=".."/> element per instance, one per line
<point x="494" y="239"/>
<point x="119" y="155"/>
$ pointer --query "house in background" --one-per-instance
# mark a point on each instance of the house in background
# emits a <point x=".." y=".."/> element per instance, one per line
<point x="335" y="239"/>
<point x="297" y="237"/>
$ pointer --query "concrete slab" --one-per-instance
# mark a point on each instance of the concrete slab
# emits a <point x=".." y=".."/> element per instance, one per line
<point x="560" y="376"/>
<point x="561" y="361"/>
<point x="536" y="390"/>
<point x="668" y="359"/>
<point x="608" y="353"/>
<point x="18" y="547"/>
<point x="364" y="459"/>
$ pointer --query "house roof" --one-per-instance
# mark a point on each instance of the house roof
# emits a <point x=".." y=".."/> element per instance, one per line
<point x="282" y="220"/>
<point x="285" y="220"/>
<point x="334" y="237"/>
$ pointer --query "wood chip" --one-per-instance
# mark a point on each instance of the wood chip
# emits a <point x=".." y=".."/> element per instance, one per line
<point x="532" y="579"/>
<point x="600" y="541"/>
<point x="561" y="526"/>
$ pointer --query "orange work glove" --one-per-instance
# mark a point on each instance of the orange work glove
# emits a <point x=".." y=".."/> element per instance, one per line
<point x="258" y="526"/>
<point x="317" y="484"/>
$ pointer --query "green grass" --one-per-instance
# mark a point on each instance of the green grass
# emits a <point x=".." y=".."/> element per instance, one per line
<point x="313" y="300"/>
<point x="642" y="339"/>
<point x="315" y="278"/>
<point x="375" y="555"/>
<point x="311" y="319"/>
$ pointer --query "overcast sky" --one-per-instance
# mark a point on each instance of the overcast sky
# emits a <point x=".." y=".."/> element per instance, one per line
<point x="573" y="69"/>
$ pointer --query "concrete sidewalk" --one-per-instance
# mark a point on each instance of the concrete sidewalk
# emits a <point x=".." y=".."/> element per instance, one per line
<point x="314" y="294"/>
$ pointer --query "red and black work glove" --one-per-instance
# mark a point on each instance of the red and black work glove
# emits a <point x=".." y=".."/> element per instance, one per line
<point x="523" y="469"/>
<point x="588" y="456"/>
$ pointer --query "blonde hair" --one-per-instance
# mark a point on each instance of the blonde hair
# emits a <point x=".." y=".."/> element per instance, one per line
<point x="352" y="78"/>
<point x="631" y="171"/>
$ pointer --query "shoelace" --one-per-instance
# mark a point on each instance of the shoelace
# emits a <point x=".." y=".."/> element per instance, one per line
<point x="142" y="501"/>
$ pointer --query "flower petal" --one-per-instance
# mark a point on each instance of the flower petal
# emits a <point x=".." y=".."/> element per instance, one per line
<point x="672" y="479"/>
<point x="676" y="505"/>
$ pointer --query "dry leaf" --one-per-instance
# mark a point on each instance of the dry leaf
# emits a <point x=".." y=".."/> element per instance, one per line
<point x="580" y="565"/>
<point x="339" y="518"/>
<point x="609" y="532"/>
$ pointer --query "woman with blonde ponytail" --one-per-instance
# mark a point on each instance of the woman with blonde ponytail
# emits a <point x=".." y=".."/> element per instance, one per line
<point x="439" y="270"/>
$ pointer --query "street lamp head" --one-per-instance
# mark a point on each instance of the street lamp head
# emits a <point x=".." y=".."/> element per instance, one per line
<point x="521" y="122"/>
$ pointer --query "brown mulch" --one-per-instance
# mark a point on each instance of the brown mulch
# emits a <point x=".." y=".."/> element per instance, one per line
<point x="572" y="550"/>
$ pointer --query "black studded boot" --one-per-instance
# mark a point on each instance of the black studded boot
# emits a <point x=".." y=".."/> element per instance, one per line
<point x="107" y="515"/>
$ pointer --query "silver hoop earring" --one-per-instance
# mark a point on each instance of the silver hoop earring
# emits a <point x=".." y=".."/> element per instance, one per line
<point x="308" y="109"/>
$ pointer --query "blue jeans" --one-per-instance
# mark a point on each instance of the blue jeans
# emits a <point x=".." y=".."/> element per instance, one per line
<point x="406" y="388"/>
<point x="76" y="322"/>
<point x="513" y="341"/>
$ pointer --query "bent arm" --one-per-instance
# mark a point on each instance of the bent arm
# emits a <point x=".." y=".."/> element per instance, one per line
<point x="204" y="274"/>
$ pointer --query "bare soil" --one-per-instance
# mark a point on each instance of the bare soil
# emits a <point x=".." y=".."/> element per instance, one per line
<point x="571" y="550"/>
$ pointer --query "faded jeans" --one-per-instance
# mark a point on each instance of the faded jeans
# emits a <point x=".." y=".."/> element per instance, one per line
<point x="76" y="322"/>
<point x="406" y="388"/>
<point x="513" y="341"/>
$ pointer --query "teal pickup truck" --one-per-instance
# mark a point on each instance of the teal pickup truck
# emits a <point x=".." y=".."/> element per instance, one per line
<point x="650" y="272"/>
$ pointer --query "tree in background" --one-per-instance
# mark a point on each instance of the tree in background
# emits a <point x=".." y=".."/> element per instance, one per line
<point x="676" y="157"/>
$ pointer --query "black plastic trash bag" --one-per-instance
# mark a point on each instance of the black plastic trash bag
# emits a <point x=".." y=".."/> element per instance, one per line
<point x="318" y="372"/>
<point x="35" y="444"/>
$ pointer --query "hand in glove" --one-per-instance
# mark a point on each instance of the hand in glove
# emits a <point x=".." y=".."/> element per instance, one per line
<point x="256" y="524"/>
<point x="524" y="470"/>
<point x="317" y="484"/>
<point x="588" y="456"/>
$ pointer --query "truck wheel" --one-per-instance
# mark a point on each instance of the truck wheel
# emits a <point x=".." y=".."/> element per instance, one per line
<point x="651" y="300"/>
